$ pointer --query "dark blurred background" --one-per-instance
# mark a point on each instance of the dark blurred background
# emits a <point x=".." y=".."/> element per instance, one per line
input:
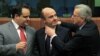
<point x="64" y="8"/>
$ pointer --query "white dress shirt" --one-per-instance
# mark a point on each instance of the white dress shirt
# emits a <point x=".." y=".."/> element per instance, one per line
<point x="17" y="28"/>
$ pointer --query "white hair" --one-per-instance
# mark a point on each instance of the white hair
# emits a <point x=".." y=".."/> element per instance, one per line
<point x="85" y="11"/>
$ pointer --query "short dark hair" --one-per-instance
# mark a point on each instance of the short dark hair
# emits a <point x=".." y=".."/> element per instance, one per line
<point x="18" y="10"/>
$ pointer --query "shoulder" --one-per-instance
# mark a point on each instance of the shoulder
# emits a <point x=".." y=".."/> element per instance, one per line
<point x="5" y="26"/>
<point x="90" y="25"/>
<point x="41" y="30"/>
<point x="30" y="28"/>
<point x="90" y="29"/>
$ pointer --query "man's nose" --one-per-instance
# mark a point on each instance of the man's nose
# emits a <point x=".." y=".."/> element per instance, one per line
<point x="55" y="17"/>
<point x="28" y="18"/>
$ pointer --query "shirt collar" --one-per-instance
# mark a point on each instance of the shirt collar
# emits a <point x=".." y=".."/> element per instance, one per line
<point x="81" y="26"/>
<point x="15" y="24"/>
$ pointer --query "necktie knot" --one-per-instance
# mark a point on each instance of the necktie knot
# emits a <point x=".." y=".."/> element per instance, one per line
<point x="21" y="27"/>
<point x="22" y="34"/>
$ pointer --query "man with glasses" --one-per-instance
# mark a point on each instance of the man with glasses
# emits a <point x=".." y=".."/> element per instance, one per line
<point x="86" y="40"/>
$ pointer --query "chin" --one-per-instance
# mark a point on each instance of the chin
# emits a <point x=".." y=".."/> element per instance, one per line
<point x="54" y="24"/>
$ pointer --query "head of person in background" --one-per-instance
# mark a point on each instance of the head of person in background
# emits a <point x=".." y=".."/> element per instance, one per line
<point x="21" y="14"/>
<point x="82" y="13"/>
<point x="49" y="17"/>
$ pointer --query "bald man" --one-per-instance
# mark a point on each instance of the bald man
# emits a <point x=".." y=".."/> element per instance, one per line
<point x="50" y="19"/>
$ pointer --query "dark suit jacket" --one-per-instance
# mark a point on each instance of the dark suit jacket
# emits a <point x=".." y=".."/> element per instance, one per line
<point x="9" y="38"/>
<point x="62" y="33"/>
<point x="85" y="42"/>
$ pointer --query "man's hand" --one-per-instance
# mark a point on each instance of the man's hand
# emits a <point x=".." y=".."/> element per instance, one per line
<point x="50" y="31"/>
<point x="20" y="45"/>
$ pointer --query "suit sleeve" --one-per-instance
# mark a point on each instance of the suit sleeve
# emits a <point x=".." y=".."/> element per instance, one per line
<point x="69" y="46"/>
<point x="64" y="37"/>
<point x="6" y="49"/>
<point x="70" y="26"/>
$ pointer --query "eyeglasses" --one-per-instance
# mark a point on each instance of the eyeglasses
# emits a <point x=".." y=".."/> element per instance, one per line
<point x="75" y="16"/>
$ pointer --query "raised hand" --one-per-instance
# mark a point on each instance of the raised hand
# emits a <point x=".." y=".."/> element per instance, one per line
<point x="20" y="45"/>
<point x="50" y="31"/>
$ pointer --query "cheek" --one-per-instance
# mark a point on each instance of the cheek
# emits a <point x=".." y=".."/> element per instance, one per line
<point x="47" y="21"/>
<point x="50" y="20"/>
<point x="24" y="19"/>
<point x="75" y="20"/>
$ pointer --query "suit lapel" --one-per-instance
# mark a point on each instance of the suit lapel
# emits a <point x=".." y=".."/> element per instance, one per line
<point x="14" y="33"/>
<point x="29" y="37"/>
<point x="43" y="38"/>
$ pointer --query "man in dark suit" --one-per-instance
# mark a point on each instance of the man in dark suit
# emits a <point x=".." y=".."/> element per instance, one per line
<point x="14" y="40"/>
<point x="86" y="40"/>
<point x="50" y="19"/>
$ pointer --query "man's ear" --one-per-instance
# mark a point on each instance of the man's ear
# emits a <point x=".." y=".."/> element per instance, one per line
<point x="42" y="22"/>
<point x="16" y="16"/>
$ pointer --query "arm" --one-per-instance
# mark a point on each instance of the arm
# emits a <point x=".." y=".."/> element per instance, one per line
<point x="63" y="46"/>
<point x="70" y="26"/>
<point x="9" y="49"/>
<point x="69" y="46"/>
<point x="6" y="49"/>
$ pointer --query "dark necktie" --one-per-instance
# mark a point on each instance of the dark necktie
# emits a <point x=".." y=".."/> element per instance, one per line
<point x="22" y="37"/>
<point x="47" y="45"/>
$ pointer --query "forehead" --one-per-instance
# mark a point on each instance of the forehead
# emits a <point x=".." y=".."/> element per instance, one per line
<point x="25" y="11"/>
<point x="48" y="12"/>
<point x="76" y="11"/>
